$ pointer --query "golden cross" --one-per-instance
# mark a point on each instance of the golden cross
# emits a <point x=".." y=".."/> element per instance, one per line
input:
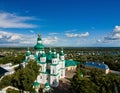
<point x="39" y="35"/>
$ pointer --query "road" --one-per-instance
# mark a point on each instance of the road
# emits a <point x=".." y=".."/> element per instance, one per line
<point x="115" y="72"/>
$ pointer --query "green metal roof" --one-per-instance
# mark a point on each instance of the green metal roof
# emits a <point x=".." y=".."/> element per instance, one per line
<point x="49" y="52"/>
<point x="62" y="53"/>
<point x="48" y="71"/>
<point x="49" y="57"/>
<point x="54" y="74"/>
<point x="46" y="87"/>
<point x="54" y="55"/>
<point x="70" y="63"/>
<point x="54" y="64"/>
<point x="43" y="55"/>
<point x="28" y="53"/>
<point x="36" y="84"/>
<point x="41" y="62"/>
<point x="47" y="84"/>
<point x="26" y="60"/>
<point x="36" y="57"/>
<point x="54" y="50"/>
<point x="44" y="72"/>
<point x="39" y="46"/>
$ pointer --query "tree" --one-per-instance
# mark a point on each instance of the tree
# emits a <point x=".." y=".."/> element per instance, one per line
<point x="6" y="81"/>
<point x="97" y="82"/>
<point x="25" y="77"/>
<point x="82" y="85"/>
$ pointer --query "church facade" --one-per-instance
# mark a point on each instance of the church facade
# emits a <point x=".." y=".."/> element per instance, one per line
<point x="52" y="64"/>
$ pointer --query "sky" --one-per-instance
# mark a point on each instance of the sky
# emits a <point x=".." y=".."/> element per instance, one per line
<point x="66" y="23"/>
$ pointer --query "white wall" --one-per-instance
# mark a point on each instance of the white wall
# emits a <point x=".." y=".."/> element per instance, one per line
<point x="54" y="81"/>
<point x="54" y="69"/>
<point x="62" y="57"/>
<point x="107" y="71"/>
<point x="54" y="61"/>
<point x="43" y="67"/>
<point x="43" y="59"/>
<point x="42" y="78"/>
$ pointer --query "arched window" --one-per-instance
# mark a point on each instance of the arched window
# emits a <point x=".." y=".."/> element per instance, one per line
<point x="53" y="82"/>
<point x="40" y="77"/>
<point x="53" y="71"/>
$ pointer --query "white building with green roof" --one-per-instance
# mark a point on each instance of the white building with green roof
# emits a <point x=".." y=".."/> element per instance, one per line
<point x="52" y="64"/>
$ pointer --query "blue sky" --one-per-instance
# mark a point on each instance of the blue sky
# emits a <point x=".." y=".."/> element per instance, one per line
<point x="77" y="23"/>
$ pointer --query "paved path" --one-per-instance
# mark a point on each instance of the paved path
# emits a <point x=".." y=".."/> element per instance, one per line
<point x="64" y="84"/>
<point x="5" y="89"/>
<point x="115" y="72"/>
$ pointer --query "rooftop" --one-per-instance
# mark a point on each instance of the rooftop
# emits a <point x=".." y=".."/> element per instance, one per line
<point x="2" y="71"/>
<point x="97" y="65"/>
<point x="36" y="84"/>
<point x="70" y="63"/>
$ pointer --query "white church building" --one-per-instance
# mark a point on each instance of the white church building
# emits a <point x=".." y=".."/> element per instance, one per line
<point x="52" y="64"/>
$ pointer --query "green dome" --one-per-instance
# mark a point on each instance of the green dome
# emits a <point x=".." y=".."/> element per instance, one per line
<point x="54" y="50"/>
<point x="43" y="55"/>
<point x="50" y="53"/>
<point x="28" y="53"/>
<point x="39" y="47"/>
<point x="62" y="53"/>
<point x="46" y="87"/>
<point x="47" y="84"/>
<point x="36" y="84"/>
<point x="54" y="56"/>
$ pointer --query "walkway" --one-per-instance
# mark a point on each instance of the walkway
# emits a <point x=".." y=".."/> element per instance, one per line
<point x="64" y="84"/>
<point x="115" y="72"/>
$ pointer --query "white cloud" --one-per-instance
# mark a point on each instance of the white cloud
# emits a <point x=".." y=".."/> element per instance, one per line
<point x="53" y="33"/>
<point x="77" y="35"/>
<point x="99" y="40"/>
<point x="117" y="29"/>
<point x="50" y="40"/>
<point x="102" y="41"/>
<point x="9" y="38"/>
<point x="112" y="37"/>
<point x="31" y="31"/>
<point x="15" y="39"/>
<point x="115" y="35"/>
<point x="73" y="30"/>
<point x="9" y="20"/>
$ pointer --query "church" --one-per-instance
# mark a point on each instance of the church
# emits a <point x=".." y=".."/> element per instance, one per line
<point x="52" y="64"/>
